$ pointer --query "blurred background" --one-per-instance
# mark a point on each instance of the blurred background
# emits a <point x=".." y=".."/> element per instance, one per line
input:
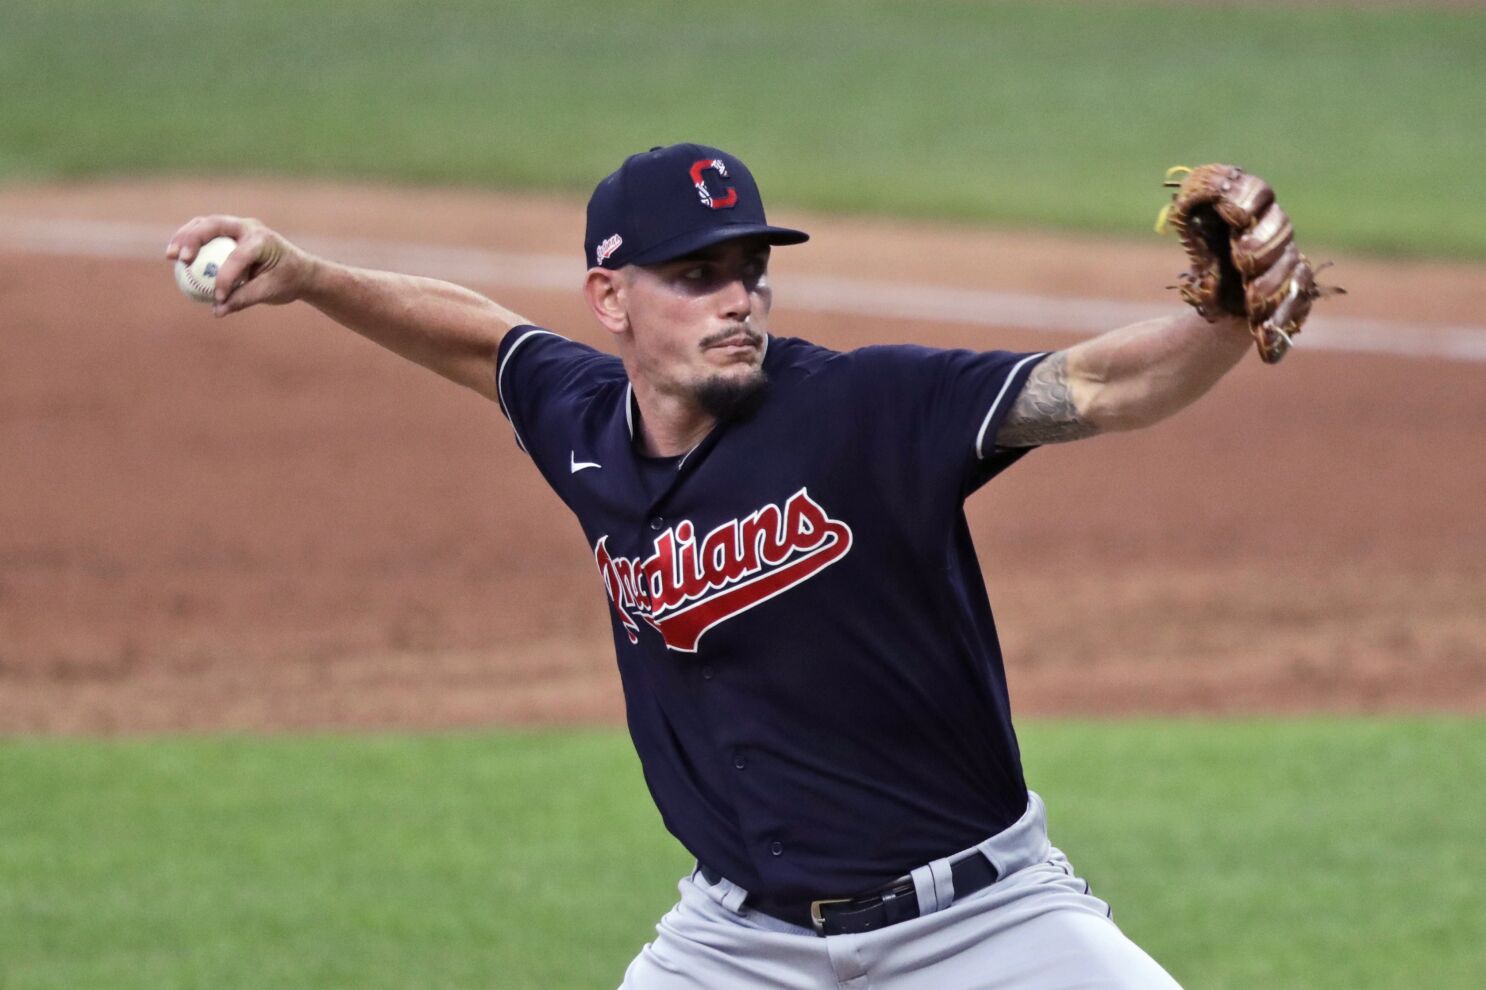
<point x="305" y="678"/>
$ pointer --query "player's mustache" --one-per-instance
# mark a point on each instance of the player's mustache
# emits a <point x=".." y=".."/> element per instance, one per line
<point x="728" y="333"/>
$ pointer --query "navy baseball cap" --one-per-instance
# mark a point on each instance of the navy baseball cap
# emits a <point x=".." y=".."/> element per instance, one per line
<point x="667" y="202"/>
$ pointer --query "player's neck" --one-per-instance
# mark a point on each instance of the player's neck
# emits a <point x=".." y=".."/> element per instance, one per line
<point x="668" y="425"/>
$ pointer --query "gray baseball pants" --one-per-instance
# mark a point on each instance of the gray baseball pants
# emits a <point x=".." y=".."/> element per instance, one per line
<point x="1037" y="928"/>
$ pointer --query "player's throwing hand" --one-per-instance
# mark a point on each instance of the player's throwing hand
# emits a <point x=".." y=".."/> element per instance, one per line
<point x="265" y="267"/>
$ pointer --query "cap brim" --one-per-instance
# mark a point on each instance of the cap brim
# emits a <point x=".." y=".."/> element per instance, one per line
<point x="680" y="247"/>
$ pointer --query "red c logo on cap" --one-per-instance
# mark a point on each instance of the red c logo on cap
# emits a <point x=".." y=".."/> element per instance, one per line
<point x="714" y="164"/>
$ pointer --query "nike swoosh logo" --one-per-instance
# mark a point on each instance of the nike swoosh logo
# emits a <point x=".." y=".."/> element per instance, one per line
<point x="578" y="465"/>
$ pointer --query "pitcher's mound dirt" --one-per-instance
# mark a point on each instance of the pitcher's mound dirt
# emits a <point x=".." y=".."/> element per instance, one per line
<point x="266" y="522"/>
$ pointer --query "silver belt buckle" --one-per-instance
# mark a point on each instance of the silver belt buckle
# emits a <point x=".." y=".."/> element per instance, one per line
<point x="816" y="920"/>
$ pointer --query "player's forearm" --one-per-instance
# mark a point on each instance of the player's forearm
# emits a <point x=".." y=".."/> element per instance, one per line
<point x="1138" y="375"/>
<point x="448" y="329"/>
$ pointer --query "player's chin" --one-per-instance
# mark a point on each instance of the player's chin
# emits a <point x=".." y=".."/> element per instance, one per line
<point x="733" y="395"/>
<point x="734" y="370"/>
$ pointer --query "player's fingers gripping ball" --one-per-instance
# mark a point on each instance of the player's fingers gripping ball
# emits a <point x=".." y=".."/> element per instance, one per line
<point x="198" y="280"/>
<point x="1242" y="252"/>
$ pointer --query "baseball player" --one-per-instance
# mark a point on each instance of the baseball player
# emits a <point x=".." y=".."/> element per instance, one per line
<point x="811" y="671"/>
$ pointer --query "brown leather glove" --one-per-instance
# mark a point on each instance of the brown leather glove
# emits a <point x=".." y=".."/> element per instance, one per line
<point x="1243" y="254"/>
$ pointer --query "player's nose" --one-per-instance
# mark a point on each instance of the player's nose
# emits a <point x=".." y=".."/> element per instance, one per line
<point x="735" y="299"/>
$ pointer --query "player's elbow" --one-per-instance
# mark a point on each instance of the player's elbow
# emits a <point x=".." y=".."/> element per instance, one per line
<point x="476" y="370"/>
<point x="1118" y="407"/>
<point x="1113" y="400"/>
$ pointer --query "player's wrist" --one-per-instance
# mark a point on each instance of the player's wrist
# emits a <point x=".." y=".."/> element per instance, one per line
<point x="1235" y="326"/>
<point x="319" y="281"/>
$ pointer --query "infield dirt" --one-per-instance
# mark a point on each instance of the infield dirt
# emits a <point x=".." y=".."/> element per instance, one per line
<point x="267" y="523"/>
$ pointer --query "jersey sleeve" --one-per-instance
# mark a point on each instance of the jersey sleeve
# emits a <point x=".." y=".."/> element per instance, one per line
<point x="936" y="412"/>
<point x="541" y="379"/>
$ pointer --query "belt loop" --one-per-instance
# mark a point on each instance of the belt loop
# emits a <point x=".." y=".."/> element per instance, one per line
<point x="724" y="891"/>
<point x="733" y="896"/>
<point x="935" y="886"/>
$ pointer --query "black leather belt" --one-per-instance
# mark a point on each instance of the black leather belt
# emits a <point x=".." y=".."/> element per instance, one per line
<point x="887" y="905"/>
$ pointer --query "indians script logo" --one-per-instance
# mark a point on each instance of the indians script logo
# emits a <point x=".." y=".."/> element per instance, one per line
<point x="688" y="585"/>
<point x="699" y="179"/>
<point x="609" y="245"/>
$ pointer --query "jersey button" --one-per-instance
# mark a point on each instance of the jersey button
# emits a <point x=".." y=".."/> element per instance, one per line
<point x="706" y="673"/>
<point x="739" y="761"/>
<point x="657" y="524"/>
<point x="777" y="848"/>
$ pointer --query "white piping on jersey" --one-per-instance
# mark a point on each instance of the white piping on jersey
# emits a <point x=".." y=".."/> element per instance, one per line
<point x="500" y="375"/>
<point x="980" y="437"/>
<point x="629" y="421"/>
<point x="629" y="389"/>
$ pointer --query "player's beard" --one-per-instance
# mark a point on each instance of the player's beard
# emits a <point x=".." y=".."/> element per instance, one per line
<point x="730" y="399"/>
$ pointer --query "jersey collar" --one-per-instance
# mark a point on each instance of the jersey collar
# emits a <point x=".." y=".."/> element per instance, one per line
<point x="691" y="457"/>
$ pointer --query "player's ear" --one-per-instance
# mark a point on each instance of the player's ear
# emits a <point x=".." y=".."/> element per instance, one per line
<point x="604" y="290"/>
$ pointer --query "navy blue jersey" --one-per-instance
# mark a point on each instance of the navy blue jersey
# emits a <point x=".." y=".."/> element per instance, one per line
<point x="811" y="672"/>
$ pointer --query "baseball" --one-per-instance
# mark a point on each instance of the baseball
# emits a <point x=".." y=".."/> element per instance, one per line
<point x="198" y="280"/>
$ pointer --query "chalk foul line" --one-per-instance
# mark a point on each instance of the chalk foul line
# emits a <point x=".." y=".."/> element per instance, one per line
<point x="843" y="296"/>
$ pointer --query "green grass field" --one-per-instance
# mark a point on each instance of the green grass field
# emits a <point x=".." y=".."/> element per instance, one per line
<point x="1287" y="853"/>
<point x="1031" y="114"/>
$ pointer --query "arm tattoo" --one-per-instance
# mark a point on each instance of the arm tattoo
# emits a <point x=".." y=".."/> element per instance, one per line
<point x="1044" y="411"/>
